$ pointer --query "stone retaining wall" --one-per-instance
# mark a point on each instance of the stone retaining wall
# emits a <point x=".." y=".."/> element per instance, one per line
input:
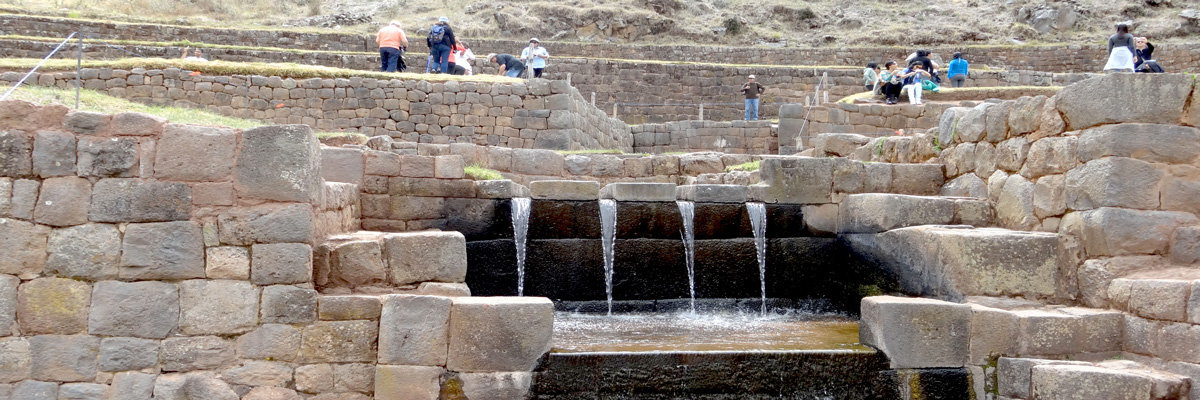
<point x="537" y="114"/>
<point x="744" y="137"/>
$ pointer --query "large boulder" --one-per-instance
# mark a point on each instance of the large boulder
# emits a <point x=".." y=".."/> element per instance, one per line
<point x="1114" y="182"/>
<point x="1123" y="98"/>
<point x="1109" y="231"/>
<point x="838" y="144"/>
<point x="1147" y="142"/>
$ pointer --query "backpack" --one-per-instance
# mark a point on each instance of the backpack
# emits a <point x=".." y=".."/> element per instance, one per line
<point x="437" y="33"/>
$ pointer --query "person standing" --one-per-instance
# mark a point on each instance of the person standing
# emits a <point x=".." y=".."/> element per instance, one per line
<point x="392" y="43"/>
<point x="440" y="39"/>
<point x="957" y="71"/>
<point x="509" y="66"/>
<point x="1120" y="50"/>
<point x="752" y="89"/>
<point x="535" y="57"/>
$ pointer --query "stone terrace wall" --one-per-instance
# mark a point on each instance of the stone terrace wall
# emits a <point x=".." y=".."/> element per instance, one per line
<point x="743" y="137"/>
<point x="537" y="114"/>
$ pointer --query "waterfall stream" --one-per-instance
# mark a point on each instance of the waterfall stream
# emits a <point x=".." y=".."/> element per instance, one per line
<point x="520" y="222"/>
<point x="687" y="210"/>
<point x="608" y="230"/>
<point x="758" y="221"/>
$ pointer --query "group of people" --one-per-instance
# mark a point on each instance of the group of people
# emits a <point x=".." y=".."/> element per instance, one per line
<point x="1127" y="53"/>
<point x="449" y="55"/>
<point x="921" y="74"/>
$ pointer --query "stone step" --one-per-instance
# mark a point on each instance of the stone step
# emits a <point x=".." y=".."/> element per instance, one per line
<point x="1161" y="294"/>
<point x="878" y="212"/>
<point x="1015" y="327"/>
<point x="1030" y="378"/>
<point x="377" y="262"/>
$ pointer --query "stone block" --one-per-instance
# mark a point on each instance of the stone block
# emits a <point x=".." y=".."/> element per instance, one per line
<point x="146" y="255"/>
<point x="315" y="378"/>
<point x="878" y="212"/>
<point x="343" y="165"/>
<point x="217" y="307"/>
<point x="974" y="212"/>
<point x="338" y="341"/>
<point x="90" y="252"/>
<point x="24" y="198"/>
<point x="213" y="194"/>
<point x="1087" y="382"/>
<point x="205" y="386"/>
<point x="35" y="390"/>
<point x="917" y="179"/>
<point x="137" y="309"/>
<point x="63" y="201"/>
<point x="6" y="191"/>
<point x="107" y="157"/>
<point x="131" y="386"/>
<point x="1170" y="144"/>
<point x="1101" y="330"/>
<point x="915" y="332"/>
<point x="280" y="263"/>
<point x="638" y="191"/>
<point x="81" y="391"/>
<point x="25" y="245"/>
<point x="443" y="289"/>
<point x="259" y="373"/>
<point x="53" y="306"/>
<point x="344" y="308"/>
<point x="1185" y="246"/>
<point x="136" y="200"/>
<point x="972" y="127"/>
<point x="417" y="166"/>
<point x="356" y="263"/>
<point x="271" y="393"/>
<point x="993" y="333"/>
<point x="135" y="124"/>
<point x="127" y="354"/>
<point x="1160" y="298"/>
<point x="500" y="189"/>
<point x="490" y="334"/>
<point x="14" y="359"/>
<point x="16" y="150"/>
<point x="53" y="154"/>
<point x="1013" y="375"/>
<point x="287" y="304"/>
<point x="496" y="385"/>
<point x="966" y="185"/>
<point x="64" y="358"/>
<point x="404" y="382"/>
<point x="383" y="163"/>
<point x="1015" y="204"/>
<point x="280" y="162"/>
<point x="1113" y="182"/>
<point x="270" y="342"/>
<point x="426" y="256"/>
<point x="565" y="190"/>
<point x="196" y="353"/>
<point x="448" y="167"/>
<point x="227" y="262"/>
<point x="195" y="153"/>
<point x="700" y="163"/>
<point x="414" y="330"/>
<point x="713" y="193"/>
<point x="1049" y="156"/>
<point x="267" y="224"/>
<point x="1111" y="231"/>
<point x="1049" y="332"/>
<point x="8" y="303"/>
<point x="1049" y="196"/>
<point x="354" y="377"/>
<point x="1160" y="99"/>
<point x="1023" y="118"/>
<point x="838" y="144"/>
<point x="537" y="162"/>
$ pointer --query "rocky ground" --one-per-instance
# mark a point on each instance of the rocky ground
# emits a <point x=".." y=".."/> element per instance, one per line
<point x="722" y="22"/>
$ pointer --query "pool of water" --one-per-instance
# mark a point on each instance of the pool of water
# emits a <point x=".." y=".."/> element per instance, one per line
<point x="576" y="332"/>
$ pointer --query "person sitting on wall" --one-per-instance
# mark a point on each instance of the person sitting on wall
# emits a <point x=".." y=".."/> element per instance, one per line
<point x="752" y="89"/>
<point x="871" y="76"/>
<point x="464" y="56"/>
<point x="1143" y="57"/>
<point x="197" y="55"/>
<point x="1120" y="51"/>
<point x="957" y="71"/>
<point x="914" y="79"/>
<point x="892" y="83"/>
<point x="509" y="66"/>
<point x="392" y="42"/>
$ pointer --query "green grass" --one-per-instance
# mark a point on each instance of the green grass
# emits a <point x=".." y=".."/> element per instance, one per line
<point x="748" y="166"/>
<point x="283" y="70"/>
<point x="182" y="43"/>
<point x="90" y="100"/>
<point x="478" y="173"/>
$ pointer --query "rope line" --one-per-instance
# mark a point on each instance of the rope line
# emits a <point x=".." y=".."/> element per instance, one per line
<point x="39" y="65"/>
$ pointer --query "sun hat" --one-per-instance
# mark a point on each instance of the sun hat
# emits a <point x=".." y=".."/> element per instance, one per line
<point x="534" y="40"/>
<point x="443" y="19"/>
<point x="751" y="76"/>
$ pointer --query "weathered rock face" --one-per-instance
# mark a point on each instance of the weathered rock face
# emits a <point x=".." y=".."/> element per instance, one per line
<point x="1109" y="231"/>
<point x="1156" y="99"/>
<point x="279" y="163"/>
<point x="498" y="333"/>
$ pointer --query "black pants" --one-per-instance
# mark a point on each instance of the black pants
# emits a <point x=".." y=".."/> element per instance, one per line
<point x="537" y="72"/>
<point x="891" y="91"/>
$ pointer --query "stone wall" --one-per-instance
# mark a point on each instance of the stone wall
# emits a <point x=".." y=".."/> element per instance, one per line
<point x="744" y="137"/>
<point x="144" y="258"/>
<point x="536" y="114"/>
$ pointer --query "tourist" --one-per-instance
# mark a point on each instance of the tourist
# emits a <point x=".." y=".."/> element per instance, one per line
<point x="440" y="39"/>
<point x="451" y="66"/>
<point x="464" y="57"/>
<point x="752" y="89"/>
<point x="509" y="66"/>
<point x="392" y="42"/>
<point x="1120" y="51"/>
<point x="197" y="55"/>
<point x="1143" y="58"/>
<point x="921" y="56"/>
<point x="871" y="76"/>
<point x="957" y="71"/>
<point x="535" y="56"/>
<point x="914" y="79"/>
<point x="892" y="83"/>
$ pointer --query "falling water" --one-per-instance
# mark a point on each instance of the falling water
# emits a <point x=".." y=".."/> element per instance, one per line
<point x="608" y="230"/>
<point x="520" y="221"/>
<point x="687" y="210"/>
<point x="758" y="221"/>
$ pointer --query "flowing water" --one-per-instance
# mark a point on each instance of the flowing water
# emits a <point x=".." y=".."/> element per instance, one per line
<point x="758" y="221"/>
<point x="520" y="221"/>
<point x="687" y="210"/>
<point x="608" y="230"/>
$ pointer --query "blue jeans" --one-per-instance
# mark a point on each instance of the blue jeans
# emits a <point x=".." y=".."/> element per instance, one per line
<point x="751" y="109"/>
<point x="441" y="57"/>
<point x="514" y="73"/>
<point x="388" y="58"/>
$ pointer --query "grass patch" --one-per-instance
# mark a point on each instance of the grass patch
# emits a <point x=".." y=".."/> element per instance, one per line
<point x="747" y="166"/>
<point x="90" y="100"/>
<point x="283" y="70"/>
<point x="591" y="151"/>
<point x="479" y="173"/>
<point x="181" y="43"/>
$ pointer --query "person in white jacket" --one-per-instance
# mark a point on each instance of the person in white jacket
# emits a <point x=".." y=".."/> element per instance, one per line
<point x="463" y="59"/>
<point x="535" y="57"/>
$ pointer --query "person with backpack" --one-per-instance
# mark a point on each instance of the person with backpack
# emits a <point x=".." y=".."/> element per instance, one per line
<point x="440" y="40"/>
<point x="392" y="43"/>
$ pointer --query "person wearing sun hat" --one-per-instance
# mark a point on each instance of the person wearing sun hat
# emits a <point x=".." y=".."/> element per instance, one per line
<point x="752" y="89"/>
<point x="535" y="57"/>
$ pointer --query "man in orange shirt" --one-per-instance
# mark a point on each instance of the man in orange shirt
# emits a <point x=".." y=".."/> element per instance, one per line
<point x="392" y="43"/>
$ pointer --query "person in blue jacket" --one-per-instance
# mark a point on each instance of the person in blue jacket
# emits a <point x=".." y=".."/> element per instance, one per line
<point x="957" y="71"/>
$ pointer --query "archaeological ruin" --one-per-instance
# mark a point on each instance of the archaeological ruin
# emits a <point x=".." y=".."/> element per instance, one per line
<point x="1035" y="236"/>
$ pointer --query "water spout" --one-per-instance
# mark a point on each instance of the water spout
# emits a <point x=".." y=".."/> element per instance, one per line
<point x="520" y="221"/>
<point x="608" y="230"/>
<point x="758" y="221"/>
<point x="687" y="210"/>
